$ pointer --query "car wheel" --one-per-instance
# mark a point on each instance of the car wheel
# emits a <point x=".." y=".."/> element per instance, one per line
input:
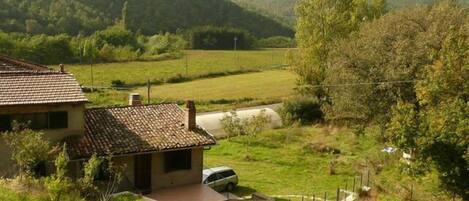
<point x="230" y="187"/>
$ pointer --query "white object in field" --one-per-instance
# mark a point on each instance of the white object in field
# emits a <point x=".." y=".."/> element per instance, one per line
<point x="211" y="121"/>
<point x="389" y="150"/>
<point x="406" y="155"/>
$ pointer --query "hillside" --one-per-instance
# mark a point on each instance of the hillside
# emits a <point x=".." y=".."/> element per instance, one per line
<point x="281" y="10"/>
<point x="144" y="16"/>
<point x="284" y="10"/>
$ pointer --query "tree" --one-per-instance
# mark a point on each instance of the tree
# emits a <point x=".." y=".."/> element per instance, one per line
<point x="125" y="16"/>
<point x="28" y="148"/>
<point x="372" y="71"/>
<point x="320" y="24"/>
<point x="87" y="184"/>
<point x="59" y="184"/>
<point x="436" y="127"/>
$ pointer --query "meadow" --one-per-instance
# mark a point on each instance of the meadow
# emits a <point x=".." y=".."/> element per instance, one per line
<point x="289" y="161"/>
<point x="222" y="93"/>
<point x="200" y="63"/>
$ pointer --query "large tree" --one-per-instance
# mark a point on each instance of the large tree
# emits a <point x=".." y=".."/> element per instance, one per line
<point x="436" y="128"/>
<point x="370" y="72"/>
<point x="408" y="71"/>
<point x="320" y="24"/>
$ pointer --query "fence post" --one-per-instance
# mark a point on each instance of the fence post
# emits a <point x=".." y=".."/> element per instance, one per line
<point x="353" y="188"/>
<point x="368" y="182"/>
<point x="411" y="192"/>
<point x="361" y="180"/>
<point x="325" y="196"/>
<point x="346" y="187"/>
<point x="338" y="194"/>
<point x="148" y="90"/>
<point x="314" y="197"/>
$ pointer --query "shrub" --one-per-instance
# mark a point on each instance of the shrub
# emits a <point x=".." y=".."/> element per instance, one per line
<point x="235" y="126"/>
<point x="219" y="38"/>
<point x="117" y="83"/>
<point x="301" y="109"/>
<point x="59" y="184"/>
<point x="28" y="148"/>
<point x="275" y="42"/>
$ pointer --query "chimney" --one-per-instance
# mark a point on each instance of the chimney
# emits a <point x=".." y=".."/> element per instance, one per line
<point x="190" y="115"/>
<point x="62" y="68"/>
<point x="134" y="99"/>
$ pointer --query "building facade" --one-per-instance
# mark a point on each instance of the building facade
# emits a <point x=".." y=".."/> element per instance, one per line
<point x="160" y="145"/>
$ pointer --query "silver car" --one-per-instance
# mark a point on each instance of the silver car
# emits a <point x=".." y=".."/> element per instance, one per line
<point x="220" y="178"/>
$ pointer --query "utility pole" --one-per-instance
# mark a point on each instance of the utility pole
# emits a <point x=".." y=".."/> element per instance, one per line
<point x="235" y="48"/>
<point x="92" y="78"/>
<point x="148" y="90"/>
<point x="187" y="64"/>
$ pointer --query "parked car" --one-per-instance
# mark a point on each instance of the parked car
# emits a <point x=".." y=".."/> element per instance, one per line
<point x="220" y="178"/>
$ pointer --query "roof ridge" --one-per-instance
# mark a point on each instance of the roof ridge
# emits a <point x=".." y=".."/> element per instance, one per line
<point x="129" y="106"/>
<point x="24" y="63"/>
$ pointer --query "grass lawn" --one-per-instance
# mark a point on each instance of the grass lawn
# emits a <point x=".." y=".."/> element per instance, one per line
<point x="199" y="63"/>
<point x="281" y="162"/>
<point x="220" y="93"/>
<point x="263" y="85"/>
<point x="7" y="194"/>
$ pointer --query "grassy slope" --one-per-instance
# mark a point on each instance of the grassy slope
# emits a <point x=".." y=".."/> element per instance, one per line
<point x="277" y="162"/>
<point x="263" y="85"/>
<point x="199" y="62"/>
<point x="221" y="93"/>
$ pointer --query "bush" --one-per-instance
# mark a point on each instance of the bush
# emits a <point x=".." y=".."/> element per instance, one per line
<point x="233" y="125"/>
<point x="219" y="38"/>
<point x="28" y="148"/>
<point x="117" y="83"/>
<point x="275" y="42"/>
<point x="301" y="109"/>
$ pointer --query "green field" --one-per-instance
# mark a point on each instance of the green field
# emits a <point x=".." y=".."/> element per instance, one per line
<point x="281" y="162"/>
<point x="263" y="85"/>
<point x="199" y="63"/>
<point x="222" y="93"/>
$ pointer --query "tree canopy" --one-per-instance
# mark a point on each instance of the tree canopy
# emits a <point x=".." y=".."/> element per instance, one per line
<point x="147" y="17"/>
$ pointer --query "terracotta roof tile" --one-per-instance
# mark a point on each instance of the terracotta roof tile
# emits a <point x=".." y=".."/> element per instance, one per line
<point x="24" y="83"/>
<point x="134" y="129"/>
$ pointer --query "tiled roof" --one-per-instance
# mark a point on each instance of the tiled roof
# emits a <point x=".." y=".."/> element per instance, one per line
<point x="11" y="64"/>
<point x="136" y="129"/>
<point x="23" y="83"/>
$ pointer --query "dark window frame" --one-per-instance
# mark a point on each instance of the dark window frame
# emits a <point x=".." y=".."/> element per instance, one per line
<point x="36" y="121"/>
<point x="178" y="160"/>
<point x="227" y="173"/>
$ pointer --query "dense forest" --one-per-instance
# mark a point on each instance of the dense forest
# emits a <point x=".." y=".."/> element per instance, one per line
<point x="281" y="10"/>
<point x="147" y="17"/>
<point x="284" y="10"/>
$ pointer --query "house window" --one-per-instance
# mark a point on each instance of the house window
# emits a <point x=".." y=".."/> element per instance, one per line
<point x="5" y="123"/>
<point x="103" y="171"/>
<point x="58" y="120"/>
<point x="178" y="160"/>
<point x="40" y="169"/>
<point x="36" y="121"/>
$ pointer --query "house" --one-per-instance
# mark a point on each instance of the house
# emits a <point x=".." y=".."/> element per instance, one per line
<point x="160" y="145"/>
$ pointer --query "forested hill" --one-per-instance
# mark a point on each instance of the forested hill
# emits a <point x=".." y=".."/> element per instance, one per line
<point x="284" y="10"/>
<point x="143" y="16"/>
<point x="281" y="10"/>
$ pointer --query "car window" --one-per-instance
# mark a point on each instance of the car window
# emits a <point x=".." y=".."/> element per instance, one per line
<point x="211" y="178"/>
<point x="227" y="173"/>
